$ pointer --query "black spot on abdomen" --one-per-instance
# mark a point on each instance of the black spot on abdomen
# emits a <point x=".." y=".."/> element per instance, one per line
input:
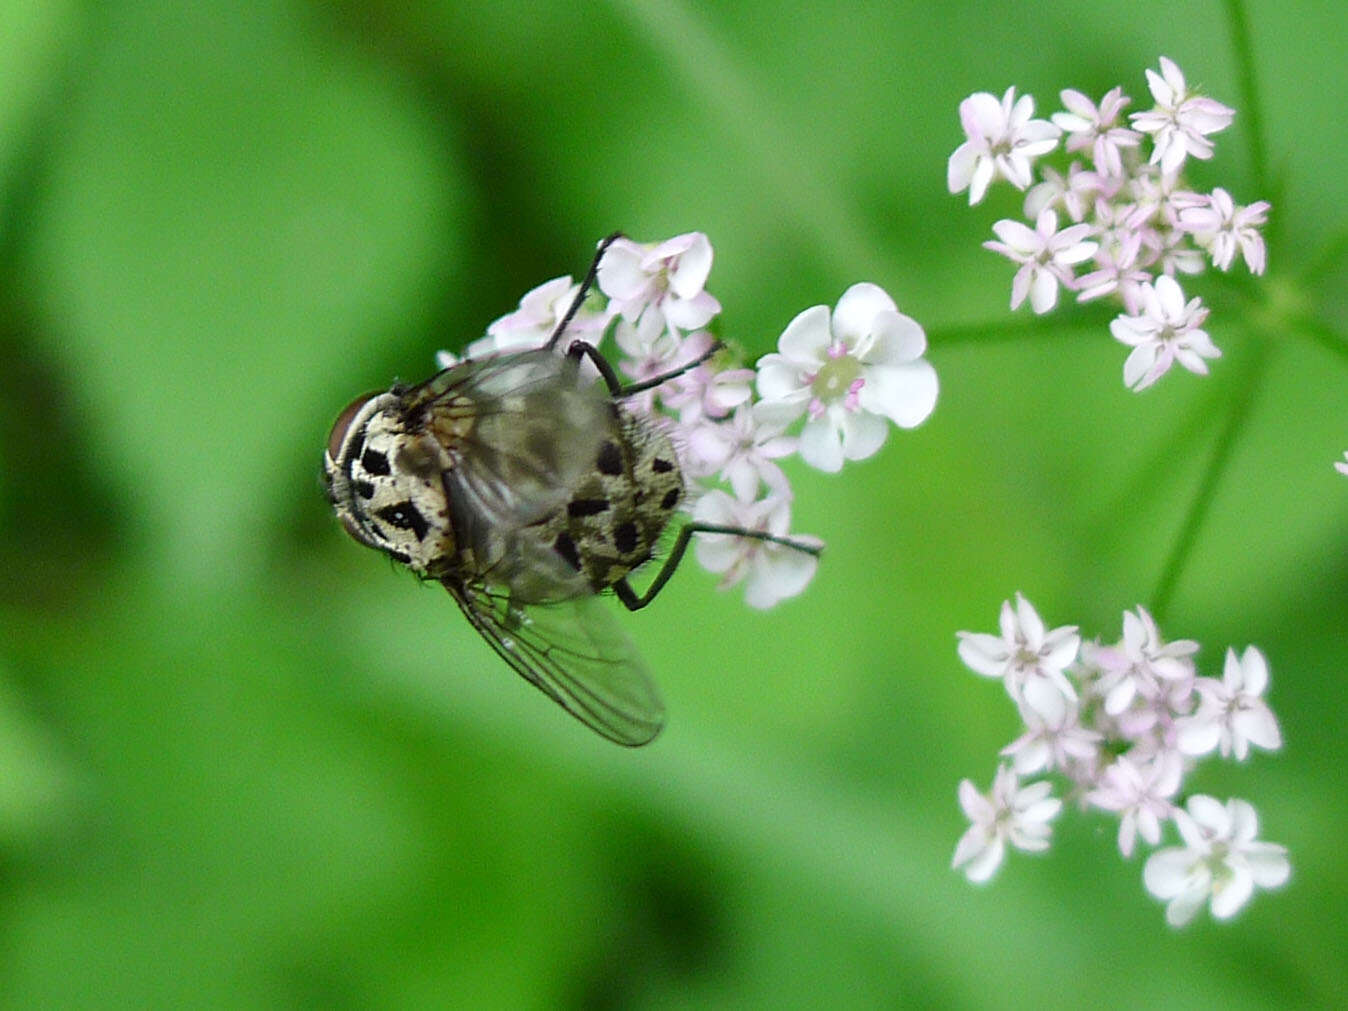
<point x="566" y="547"/>
<point x="625" y="537"/>
<point x="586" y="506"/>
<point x="661" y="465"/>
<point x="671" y="498"/>
<point x="610" y="459"/>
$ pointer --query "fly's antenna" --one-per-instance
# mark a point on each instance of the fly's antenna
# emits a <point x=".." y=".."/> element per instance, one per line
<point x="585" y="287"/>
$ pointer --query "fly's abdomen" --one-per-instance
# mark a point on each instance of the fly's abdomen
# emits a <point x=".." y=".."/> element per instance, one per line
<point x="613" y="521"/>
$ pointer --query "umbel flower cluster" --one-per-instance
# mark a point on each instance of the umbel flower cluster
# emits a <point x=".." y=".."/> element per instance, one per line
<point x="1121" y="725"/>
<point x="830" y="392"/>
<point x="1118" y="220"/>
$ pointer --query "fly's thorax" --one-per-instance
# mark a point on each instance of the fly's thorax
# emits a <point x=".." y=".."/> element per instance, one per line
<point x="385" y="482"/>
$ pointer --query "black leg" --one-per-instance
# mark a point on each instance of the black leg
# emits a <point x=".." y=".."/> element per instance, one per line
<point x="584" y="349"/>
<point x="634" y="602"/>
<point x="585" y="287"/>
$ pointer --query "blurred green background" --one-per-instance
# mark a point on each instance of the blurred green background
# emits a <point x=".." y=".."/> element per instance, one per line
<point x="244" y="762"/>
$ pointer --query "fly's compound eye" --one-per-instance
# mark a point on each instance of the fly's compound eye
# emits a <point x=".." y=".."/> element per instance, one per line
<point x="340" y="427"/>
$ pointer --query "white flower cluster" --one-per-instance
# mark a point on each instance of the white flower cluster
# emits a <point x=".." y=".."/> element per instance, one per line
<point x="1133" y="223"/>
<point x="1122" y="725"/>
<point x="847" y="374"/>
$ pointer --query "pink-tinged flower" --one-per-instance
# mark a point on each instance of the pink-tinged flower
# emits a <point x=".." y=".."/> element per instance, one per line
<point x="1061" y="745"/>
<point x="1002" y="142"/>
<point x="1168" y="250"/>
<point x="649" y="349"/>
<point x="1220" y="859"/>
<point x="533" y="322"/>
<point x="1143" y="664"/>
<point x="1167" y="330"/>
<point x="1008" y="814"/>
<point x="1342" y="465"/>
<point x="1139" y="793"/>
<point x="705" y="391"/>
<point x="1222" y="228"/>
<point x="667" y="277"/>
<point x="1117" y="271"/>
<point x="1181" y="121"/>
<point x="847" y="373"/>
<point x="1029" y="659"/>
<point x="1097" y="128"/>
<point x="1232" y="713"/>
<point x="1150" y="197"/>
<point x="1073" y="193"/>
<point x="771" y="572"/>
<point x="1045" y="254"/>
<point x="742" y="450"/>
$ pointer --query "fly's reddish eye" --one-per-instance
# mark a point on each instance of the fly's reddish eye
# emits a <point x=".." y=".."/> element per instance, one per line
<point x="337" y="438"/>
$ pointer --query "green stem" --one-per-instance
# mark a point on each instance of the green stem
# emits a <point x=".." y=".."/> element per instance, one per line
<point x="1241" y="403"/>
<point x="1243" y="47"/>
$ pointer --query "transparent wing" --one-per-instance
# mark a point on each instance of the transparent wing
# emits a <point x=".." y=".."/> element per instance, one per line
<point x="575" y="652"/>
<point x="524" y="430"/>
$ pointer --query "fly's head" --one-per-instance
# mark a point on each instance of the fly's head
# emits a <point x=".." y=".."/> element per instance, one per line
<point x="384" y="478"/>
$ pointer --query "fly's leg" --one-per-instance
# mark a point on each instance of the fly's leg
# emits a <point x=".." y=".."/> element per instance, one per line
<point x="585" y="287"/>
<point x="583" y="349"/>
<point x="616" y="388"/>
<point x="634" y="601"/>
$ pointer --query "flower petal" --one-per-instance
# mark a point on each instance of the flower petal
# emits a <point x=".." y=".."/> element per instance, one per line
<point x="821" y="445"/>
<point x="806" y="338"/>
<point x="857" y="309"/>
<point x="862" y="435"/>
<point x="899" y="339"/>
<point x="906" y="394"/>
<point x="983" y="654"/>
<point x="1233" y="892"/>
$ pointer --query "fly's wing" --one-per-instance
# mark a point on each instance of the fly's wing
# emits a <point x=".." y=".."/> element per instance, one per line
<point x="524" y="432"/>
<point x="574" y="652"/>
<point x="523" y="429"/>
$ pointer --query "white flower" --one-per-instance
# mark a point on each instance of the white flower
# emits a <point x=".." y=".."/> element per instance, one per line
<point x="1002" y="141"/>
<point x="848" y="372"/>
<point x="1142" y="663"/>
<point x="1046" y="255"/>
<point x="1074" y="193"/>
<point x="771" y="571"/>
<point x="1342" y="465"/>
<point x="1008" y="814"/>
<point x="1232" y="714"/>
<point x="1139" y="792"/>
<point x="706" y="391"/>
<point x="1116" y="271"/>
<point x="1166" y="331"/>
<point x="649" y="349"/>
<point x="742" y="449"/>
<point x="533" y="322"/>
<point x="1029" y="659"/>
<point x="1098" y="129"/>
<point x="667" y="277"/>
<point x="1220" y="227"/>
<point x="1181" y="121"/>
<point x="1062" y="745"/>
<point x="1169" y="251"/>
<point x="1220" y="858"/>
